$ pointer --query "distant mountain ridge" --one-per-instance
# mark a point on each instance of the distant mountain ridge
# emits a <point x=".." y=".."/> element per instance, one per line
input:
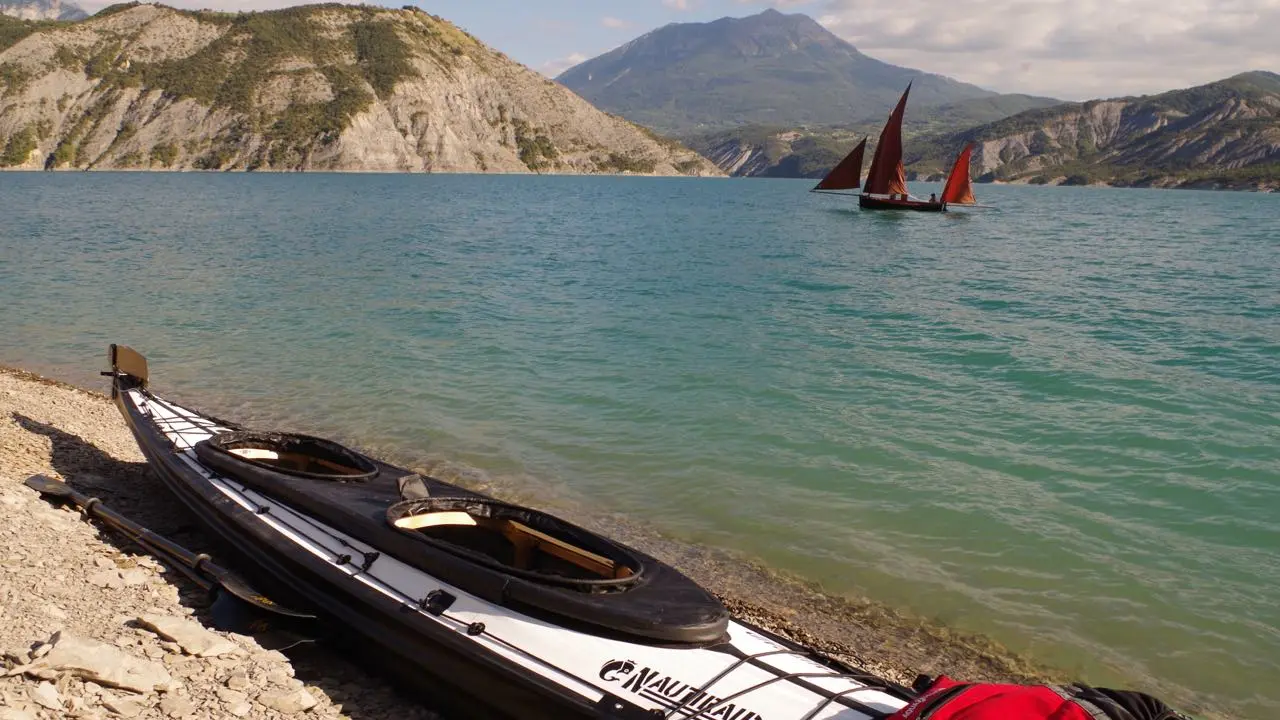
<point x="1222" y="134"/>
<point x="42" y="10"/>
<point x="766" y="69"/>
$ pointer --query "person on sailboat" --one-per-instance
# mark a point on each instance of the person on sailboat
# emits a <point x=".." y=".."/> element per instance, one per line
<point x="933" y="197"/>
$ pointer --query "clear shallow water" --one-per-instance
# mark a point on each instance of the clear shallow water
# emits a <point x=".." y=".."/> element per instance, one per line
<point x="1058" y="424"/>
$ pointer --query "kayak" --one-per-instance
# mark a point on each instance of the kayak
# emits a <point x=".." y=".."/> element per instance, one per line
<point x="491" y="608"/>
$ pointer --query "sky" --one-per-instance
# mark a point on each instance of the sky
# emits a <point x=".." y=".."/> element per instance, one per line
<point x="1069" y="49"/>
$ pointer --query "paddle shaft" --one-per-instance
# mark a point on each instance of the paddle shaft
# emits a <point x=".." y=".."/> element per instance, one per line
<point x="191" y="573"/>
<point x="203" y="571"/>
<point x="93" y="507"/>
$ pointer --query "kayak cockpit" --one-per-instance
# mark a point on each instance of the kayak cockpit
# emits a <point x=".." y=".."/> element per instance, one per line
<point x="520" y="539"/>
<point x="297" y="455"/>
<point x="515" y="544"/>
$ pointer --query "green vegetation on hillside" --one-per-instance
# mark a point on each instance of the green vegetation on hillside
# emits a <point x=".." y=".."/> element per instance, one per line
<point x="624" y="163"/>
<point x="382" y="56"/>
<point x="12" y="78"/>
<point x="18" y="148"/>
<point x="165" y="154"/>
<point x="230" y="73"/>
<point x="116" y="8"/>
<point x="535" y="148"/>
<point x="13" y="30"/>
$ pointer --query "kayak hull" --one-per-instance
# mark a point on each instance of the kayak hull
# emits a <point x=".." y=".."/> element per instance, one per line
<point x="411" y="650"/>
<point x="470" y="656"/>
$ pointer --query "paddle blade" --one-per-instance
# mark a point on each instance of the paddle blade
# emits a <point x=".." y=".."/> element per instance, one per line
<point x="231" y="614"/>
<point x="245" y="592"/>
<point x="46" y="485"/>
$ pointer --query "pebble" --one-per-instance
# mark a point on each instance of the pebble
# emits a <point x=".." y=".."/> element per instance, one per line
<point x="238" y="681"/>
<point x="229" y="696"/>
<point x="188" y="635"/>
<point x="99" y="662"/>
<point x="125" y="708"/>
<point x="106" y="579"/>
<point x="46" y="695"/>
<point x="288" y="702"/>
<point x="176" y="707"/>
<point x="134" y="576"/>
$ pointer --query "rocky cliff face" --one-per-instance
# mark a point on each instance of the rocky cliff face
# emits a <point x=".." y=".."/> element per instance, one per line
<point x="324" y="87"/>
<point x="1222" y="134"/>
<point x="769" y="152"/>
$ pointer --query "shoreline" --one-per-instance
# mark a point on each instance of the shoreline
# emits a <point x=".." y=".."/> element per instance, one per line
<point x="865" y="633"/>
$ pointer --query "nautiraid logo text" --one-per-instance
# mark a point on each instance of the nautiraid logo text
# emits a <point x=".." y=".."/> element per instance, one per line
<point x="671" y="693"/>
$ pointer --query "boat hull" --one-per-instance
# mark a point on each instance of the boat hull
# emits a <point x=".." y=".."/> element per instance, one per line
<point x="867" y="202"/>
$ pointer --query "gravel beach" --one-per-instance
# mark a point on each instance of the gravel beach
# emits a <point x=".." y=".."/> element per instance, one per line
<point x="95" y="628"/>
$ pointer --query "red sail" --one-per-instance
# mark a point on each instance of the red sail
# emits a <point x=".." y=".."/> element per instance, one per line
<point x="958" y="190"/>
<point x="847" y="174"/>
<point x="887" y="176"/>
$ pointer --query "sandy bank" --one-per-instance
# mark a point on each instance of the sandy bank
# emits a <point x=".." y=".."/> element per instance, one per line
<point x="59" y="573"/>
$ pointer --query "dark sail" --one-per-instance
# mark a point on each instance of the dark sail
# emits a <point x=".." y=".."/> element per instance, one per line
<point x="886" y="176"/>
<point x="959" y="190"/>
<point x="847" y="174"/>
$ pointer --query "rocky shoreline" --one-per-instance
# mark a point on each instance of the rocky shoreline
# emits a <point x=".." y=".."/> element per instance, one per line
<point x="95" y="628"/>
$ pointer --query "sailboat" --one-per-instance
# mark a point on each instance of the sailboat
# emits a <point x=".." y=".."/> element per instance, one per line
<point x="886" y="185"/>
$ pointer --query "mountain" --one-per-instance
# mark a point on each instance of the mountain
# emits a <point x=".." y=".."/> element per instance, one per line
<point x="1223" y="134"/>
<point x="316" y="87"/>
<point x="41" y="10"/>
<point x="810" y="152"/>
<point x="767" y="69"/>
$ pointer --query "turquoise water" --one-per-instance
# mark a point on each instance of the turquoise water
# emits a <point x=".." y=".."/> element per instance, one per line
<point x="1058" y="423"/>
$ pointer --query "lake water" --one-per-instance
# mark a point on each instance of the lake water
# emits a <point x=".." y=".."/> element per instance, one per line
<point x="1057" y="423"/>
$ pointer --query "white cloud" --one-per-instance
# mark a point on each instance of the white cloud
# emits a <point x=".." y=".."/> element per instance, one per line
<point x="1072" y="49"/>
<point x="613" y="22"/>
<point x="678" y="5"/>
<point x="552" y="68"/>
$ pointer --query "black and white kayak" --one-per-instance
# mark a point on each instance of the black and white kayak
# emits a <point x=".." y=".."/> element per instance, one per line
<point x="508" y="610"/>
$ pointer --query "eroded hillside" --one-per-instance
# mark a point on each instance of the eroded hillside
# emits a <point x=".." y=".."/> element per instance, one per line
<point x="322" y="87"/>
